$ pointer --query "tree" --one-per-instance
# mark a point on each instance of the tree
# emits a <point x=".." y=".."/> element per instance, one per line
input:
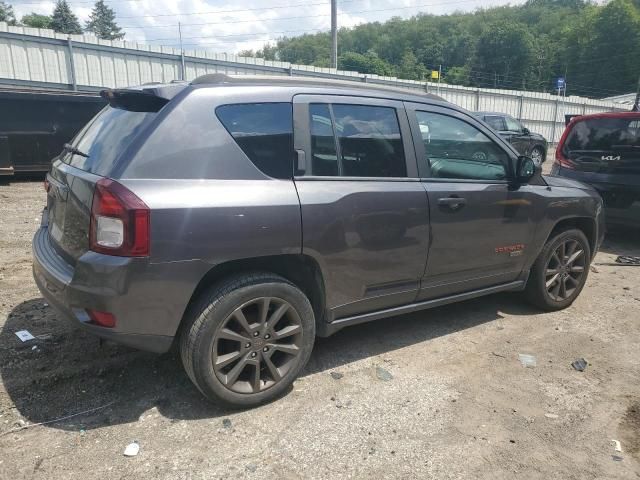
<point x="370" y="62"/>
<point x="102" y="22"/>
<point x="6" y="13"/>
<point x="64" y="20"/>
<point x="410" y="68"/>
<point x="35" y="20"/>
<point x="504" y="54"/>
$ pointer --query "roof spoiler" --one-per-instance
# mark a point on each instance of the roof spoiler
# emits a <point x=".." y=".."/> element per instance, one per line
<point x="146" y="98"/>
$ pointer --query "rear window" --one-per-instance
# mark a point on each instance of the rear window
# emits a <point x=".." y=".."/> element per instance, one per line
<point x="604" y="134"/>
<point x="264" y="132"/>
<point x="105" y="137"/>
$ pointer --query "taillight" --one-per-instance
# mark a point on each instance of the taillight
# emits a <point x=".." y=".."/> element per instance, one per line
<point x="563" y="161"/>
<point x="120" y="221"/>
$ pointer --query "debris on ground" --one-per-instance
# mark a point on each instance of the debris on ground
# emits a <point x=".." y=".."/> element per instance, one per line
<point x="252" y="467"/>
<point x="25" y="335"/>
<point x="132" y="449"/>
<point x="580" y="364"/>
<point x="594" y="269"/>
<point x="552" y="416"/>
<point x="527" y="360"/>
<point x="336" y="375"/>
<point x="617" y="445"/>
<point x="226" y="423"/>
<point x="616" y="458"/>
<point x="384" y="375"/>
<point x="497" y="355"/>
<point x="628" y="260"/>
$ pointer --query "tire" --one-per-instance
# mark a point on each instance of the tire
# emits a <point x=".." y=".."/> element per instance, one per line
<point x="244" y="375"/>
<point x="544" y="287"/>
<point x="537" y="155"/>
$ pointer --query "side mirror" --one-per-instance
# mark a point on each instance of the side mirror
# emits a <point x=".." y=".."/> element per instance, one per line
<point x="525" y="169"/>
<point x="526" y="131"/>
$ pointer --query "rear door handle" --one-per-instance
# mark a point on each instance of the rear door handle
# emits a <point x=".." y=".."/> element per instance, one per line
<point x="452" y="202"/>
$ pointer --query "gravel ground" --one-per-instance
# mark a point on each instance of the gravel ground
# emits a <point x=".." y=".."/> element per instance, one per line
<point x="436" y="394"/>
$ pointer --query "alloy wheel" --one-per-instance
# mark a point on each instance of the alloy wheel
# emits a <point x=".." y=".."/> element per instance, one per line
<point x="257" y="345"/>
<point x="536" y="156"/>
<point x="565" y="270"/>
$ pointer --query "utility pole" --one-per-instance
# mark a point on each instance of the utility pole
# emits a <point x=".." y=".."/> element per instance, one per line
<point x="439" y="77"/>
<point x="182" y="69"/>
<point x="334" y="34"/>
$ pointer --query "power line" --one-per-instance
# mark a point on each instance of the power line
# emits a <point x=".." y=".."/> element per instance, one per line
<point x="235" y="35"/>
<point x="241" y="10"/>
<point x="300" y="17"/>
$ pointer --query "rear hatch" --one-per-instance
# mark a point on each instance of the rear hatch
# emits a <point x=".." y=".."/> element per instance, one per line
<point x="606" y="145"/>
<point x="92" y="155"/>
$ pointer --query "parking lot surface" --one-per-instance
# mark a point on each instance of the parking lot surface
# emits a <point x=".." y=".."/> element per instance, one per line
<point x="436" y="394"/>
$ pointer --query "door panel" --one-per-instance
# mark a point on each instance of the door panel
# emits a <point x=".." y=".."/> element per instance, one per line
<point x="370" y="236"/>
<point x="480" y="226"/>
<point x="477" y="244"/>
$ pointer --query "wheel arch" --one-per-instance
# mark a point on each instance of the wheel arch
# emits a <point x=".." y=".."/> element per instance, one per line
<point x="585" y="224"/>
<point x="301" y="270"/>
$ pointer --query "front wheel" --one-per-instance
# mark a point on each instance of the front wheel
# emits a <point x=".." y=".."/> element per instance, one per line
<point x="560" y="271"/>
<point x="247" y="339"/>
<point x="537" y="155"/>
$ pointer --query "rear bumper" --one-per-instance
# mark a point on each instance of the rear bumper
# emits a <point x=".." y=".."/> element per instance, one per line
<point x="108" y="284"/>
<point x="621" y="194"/>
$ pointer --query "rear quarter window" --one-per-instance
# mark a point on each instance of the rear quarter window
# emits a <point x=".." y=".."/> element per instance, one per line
<point x="264" y="132"/>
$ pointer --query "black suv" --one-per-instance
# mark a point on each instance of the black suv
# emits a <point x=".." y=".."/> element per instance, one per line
<point x="243" y="217"/>
<point x="524" y="141"/>
<point x="603" y="150"/>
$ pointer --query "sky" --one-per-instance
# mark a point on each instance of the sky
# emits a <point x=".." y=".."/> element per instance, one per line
<point x="231" y="26"/>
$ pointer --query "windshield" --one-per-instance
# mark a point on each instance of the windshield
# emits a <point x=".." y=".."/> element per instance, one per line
<point x="105" y="137"/>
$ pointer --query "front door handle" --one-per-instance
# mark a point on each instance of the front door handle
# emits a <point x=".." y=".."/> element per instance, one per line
<point x="453" y="203"/>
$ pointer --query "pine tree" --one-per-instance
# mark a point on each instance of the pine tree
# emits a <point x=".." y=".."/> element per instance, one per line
<point x="102" y="22"/>
<point x="64" y="20"/>
<point x="6" y="13"/>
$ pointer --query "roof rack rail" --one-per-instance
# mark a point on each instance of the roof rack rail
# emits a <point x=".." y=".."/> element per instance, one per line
<point x="224" y="79"/>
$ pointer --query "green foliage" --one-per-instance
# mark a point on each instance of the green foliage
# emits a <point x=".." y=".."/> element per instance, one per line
<point x="102" y="22"/>
<point x="370" y="62"/>
<point x="64" y="20"/>
<point x="35" y="20"/>
<point x="596" y="45"/>
<point x="504" y="48"/>
<point x="6" y="13"/>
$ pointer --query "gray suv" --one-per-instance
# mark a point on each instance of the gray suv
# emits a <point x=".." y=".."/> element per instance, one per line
<point x="239" y="218"/>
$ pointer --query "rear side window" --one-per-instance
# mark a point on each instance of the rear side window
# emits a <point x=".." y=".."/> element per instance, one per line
<point x="604" y="134"/>
<point x="264" y="132"/>
<point x="368" y="144"/>
<point x="105" y="137"/>
<point x="496" y="122"/>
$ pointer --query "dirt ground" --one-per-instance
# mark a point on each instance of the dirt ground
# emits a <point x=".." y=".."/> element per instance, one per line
<point x="436" y="394"/>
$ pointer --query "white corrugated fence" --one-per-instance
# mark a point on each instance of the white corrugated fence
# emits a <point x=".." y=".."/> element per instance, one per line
<point x="42" y="58"/>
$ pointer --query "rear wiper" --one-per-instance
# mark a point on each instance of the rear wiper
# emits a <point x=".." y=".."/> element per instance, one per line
<point x="70" y="148"/>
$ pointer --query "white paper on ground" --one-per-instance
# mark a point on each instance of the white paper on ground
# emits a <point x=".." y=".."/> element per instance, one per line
<point x="24" y="335"/>
<point x="132" y="449"/>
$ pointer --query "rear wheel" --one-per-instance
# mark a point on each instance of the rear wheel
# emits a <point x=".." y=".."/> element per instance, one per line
<point x="247" y="339"/>
<point x="560" y="272"/>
